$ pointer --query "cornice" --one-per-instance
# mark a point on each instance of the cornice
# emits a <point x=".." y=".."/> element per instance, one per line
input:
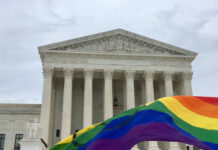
<point x="117" y="55"/>
<point x="20" y="109"/>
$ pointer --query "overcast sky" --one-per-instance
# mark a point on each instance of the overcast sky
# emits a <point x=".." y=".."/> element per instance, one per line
<point x="27" y="24"/>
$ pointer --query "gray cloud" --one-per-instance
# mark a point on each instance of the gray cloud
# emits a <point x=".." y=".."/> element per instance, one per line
<point x="27" y="24"/>
<point x="195" y="29"/>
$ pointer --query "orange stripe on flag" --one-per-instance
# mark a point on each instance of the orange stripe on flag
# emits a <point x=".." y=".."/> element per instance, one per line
<point x="199" y="106"/>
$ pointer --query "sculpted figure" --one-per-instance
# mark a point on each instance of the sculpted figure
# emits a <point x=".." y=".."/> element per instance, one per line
<point x="33" y="129"/>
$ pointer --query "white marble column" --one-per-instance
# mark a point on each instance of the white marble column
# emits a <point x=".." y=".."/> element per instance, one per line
<point x="46" y="105"/>
<point x="130" y="91"/>
<point x="149" y="86"/>
<point x="87" y="111"/>
<point x="187" y="87"/>
<point x="187" y="90"/>
<point x="67" y="104"/>
<point x="149" y="82"/>
<point x="143" y="94"/>
<point x="162" y="89"/>
<point x="168" y="82"/>
<point x="130" y="94"/>
<point x="108" y="95"/>
<point x="124" y="95"/>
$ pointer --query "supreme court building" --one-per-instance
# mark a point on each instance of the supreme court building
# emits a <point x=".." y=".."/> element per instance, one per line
<point x="92" y="78"/>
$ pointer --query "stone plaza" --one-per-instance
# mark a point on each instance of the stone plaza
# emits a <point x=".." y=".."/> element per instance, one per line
<point x="92" y="78"/>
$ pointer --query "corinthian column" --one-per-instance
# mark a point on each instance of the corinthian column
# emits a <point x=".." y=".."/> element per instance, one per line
<point x="187" y="88"/>
<point x="152" y="145"/>
<point x="130" y="93"/>
<point x="168" y="81"/>
<point x="108" y="98"/>
<point x="46" y="104"/>
<point x="67" y="104"/>
<point x="149" y="86"/>
<point x="87" y="111"/>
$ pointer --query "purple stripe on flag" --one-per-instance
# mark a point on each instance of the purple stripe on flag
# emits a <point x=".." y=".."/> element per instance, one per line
<point x="145" y="132"/>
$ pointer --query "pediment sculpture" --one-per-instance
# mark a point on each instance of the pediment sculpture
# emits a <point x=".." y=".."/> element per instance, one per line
<point x="118" y="44"/>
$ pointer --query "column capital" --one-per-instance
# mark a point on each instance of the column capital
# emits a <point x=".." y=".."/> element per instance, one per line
<point x="108" y="73"/>
<point x="187" y="75"/>
<point x="129" y="74"/>
<point x="168" y="75"/>
<point x="148" y="74"/>
<point x="88" y="72"/>
<point x="48" y="72"/>
<point x="68" y="73"/>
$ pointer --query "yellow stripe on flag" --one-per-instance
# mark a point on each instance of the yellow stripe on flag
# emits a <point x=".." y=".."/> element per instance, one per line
<point x="70" y="138"/>
<point x="188" y="116"/>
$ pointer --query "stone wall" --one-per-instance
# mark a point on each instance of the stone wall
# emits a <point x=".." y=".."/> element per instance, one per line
<point x="13" y="120"/>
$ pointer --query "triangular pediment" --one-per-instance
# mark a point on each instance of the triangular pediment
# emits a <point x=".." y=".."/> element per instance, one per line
<point x="119" y="41"/>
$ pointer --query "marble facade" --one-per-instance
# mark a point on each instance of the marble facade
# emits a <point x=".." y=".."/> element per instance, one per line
<point x="82" y="77"/>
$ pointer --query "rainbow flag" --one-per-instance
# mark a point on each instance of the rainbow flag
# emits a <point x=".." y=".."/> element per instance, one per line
<point x="187" y="119"/>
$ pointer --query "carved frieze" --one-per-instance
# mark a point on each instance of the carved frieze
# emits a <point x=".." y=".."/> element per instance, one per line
<point x="60" y="60"/>
<point x="118" y="44"/>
